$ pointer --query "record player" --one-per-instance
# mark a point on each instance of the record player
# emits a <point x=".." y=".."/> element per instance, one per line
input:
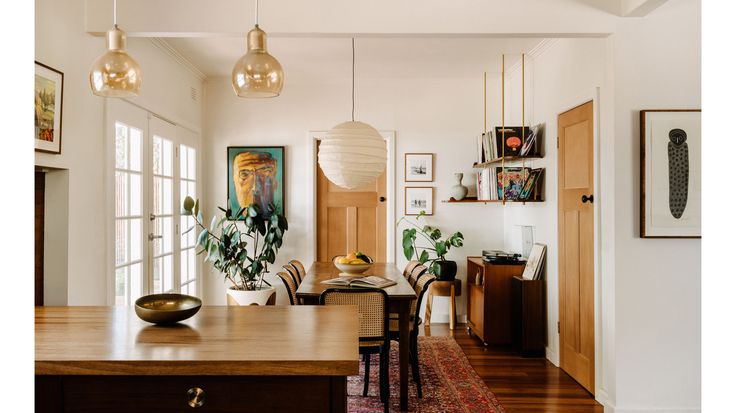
<point x="501" y="257"/>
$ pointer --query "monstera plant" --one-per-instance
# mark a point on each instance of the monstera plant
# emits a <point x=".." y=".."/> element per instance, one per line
<point x="240" y="245"/>
<point x="432" y="249"/>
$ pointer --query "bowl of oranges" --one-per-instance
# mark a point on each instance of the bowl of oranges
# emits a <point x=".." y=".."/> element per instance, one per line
<point x="354" y="263"/>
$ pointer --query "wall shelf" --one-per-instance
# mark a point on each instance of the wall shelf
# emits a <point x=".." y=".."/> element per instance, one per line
<point x="486" y="201"/>
<point x="509" y="158"/>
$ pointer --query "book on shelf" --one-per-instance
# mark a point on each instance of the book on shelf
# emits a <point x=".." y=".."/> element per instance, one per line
<point x="509" y="140"/>
<point x="530" y="186"/>
<point x="510" y="182"/>
<point x="371" y="281"/>
<point x="534" y="136"/>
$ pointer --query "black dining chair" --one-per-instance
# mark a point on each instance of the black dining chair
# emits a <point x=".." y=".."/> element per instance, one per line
<point x="373" y="335"/>
<point x="420" y="288"/>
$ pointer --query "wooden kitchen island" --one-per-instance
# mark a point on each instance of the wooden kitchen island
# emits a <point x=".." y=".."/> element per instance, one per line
<point x="224" y="359"/>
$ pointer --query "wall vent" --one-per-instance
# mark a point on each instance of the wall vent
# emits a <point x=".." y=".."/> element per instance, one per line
<point x="194" y="94"/>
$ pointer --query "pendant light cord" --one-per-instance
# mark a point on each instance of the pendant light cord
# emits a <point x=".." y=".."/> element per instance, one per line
<point x="115" y="13"/>
<point x="256" y="13"/>
<point x="353" y="47"/>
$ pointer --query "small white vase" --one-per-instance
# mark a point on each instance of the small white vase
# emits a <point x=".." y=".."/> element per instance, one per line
<point x="255" y="297"/>
<point x="458" y="191"/>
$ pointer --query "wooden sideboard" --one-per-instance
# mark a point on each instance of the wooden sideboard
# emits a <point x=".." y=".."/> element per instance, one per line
<point x="228" y="359"/>
<point x="489" y="303"/>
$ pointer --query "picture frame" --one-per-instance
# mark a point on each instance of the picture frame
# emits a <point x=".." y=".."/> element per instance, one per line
<point x="417" y="199"/>
<point x="256" y="174"/>
<point x="670" y="173"/>
<point x="48" y="96"/>
<point x="531" y="184"/>
<point x="418" y="167"/>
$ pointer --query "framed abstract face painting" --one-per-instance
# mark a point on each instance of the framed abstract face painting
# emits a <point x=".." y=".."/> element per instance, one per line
<point x="670" y="198"/>
<point x="48" y="94"/>
<point x="255" y="174"/>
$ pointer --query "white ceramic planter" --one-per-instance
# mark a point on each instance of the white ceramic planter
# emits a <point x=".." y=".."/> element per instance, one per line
<point x="256" y="297"/>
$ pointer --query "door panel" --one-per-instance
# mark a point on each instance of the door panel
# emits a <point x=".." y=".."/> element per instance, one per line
<point x="349" y="220"/>
<point x="576" y="240"/>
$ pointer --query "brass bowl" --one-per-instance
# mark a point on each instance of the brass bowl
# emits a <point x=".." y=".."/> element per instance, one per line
<point x="166" y="308"/>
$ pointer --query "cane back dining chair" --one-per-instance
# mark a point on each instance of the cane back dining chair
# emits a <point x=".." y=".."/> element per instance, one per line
<point x="421" y="287"/>
<point x="372" y="306"/>
<point x="290" y="285"/>
<point x="409" y="268"/>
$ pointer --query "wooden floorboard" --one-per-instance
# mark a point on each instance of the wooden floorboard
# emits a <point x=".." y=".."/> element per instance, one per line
<point x="522" y="385"/>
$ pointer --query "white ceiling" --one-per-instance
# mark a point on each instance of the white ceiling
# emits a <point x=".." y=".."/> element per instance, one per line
<point x="314" y="58"/>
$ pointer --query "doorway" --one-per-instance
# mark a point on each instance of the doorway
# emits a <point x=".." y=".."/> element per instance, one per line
<point x="575" y="160"/>
<point x="350" y="220"/>
<point x="360" y="219"/>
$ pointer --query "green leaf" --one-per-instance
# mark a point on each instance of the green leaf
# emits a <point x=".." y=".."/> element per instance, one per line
<point x="202" y="237"/>
<point x="188" y="230"/>
<point x="436" y="234"/>
<point x="212" y="251"/>
<point x="213" y="224"/>
<point x="408" y="251"/>
<point x="254" y="210"/>
<point x="434" y="268"/>
<point x="440" y="248"/>
<point x="196" y="207"/>
<point x="424" y="257"/>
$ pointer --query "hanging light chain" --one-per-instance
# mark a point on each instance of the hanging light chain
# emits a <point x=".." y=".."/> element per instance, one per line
<point x="353" y="47"/>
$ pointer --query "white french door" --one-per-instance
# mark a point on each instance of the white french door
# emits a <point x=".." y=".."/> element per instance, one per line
<point x="153" y="167"/>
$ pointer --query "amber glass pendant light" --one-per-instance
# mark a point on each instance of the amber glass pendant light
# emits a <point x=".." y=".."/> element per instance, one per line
<point x="257" y="74"/>
<point x="115" y="73"/>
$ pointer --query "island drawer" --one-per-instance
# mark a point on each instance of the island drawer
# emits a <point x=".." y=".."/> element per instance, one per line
<point x="162" y="394"/>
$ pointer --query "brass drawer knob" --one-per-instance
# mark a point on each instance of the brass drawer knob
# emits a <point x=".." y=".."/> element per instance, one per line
<point x="195" y="397"/>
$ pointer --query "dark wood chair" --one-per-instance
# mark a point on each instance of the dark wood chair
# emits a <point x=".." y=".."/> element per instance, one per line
<point x="290" y="285"/>
<point x="372" y="306"/>
<point x="420" y="287"/>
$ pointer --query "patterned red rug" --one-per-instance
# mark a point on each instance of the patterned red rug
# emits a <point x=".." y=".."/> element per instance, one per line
<point x="449" y="383"/>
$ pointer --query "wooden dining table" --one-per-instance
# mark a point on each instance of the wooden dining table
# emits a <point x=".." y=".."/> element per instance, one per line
<point x="400" y="297"/>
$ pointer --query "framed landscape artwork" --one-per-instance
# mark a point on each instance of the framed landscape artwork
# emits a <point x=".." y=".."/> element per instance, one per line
<point x="48" y="94"/>
<point x="255" y="174"/>
<point x="419" y="167"/>
<point x="417" y="199"/>
<point x="670" y="173"/>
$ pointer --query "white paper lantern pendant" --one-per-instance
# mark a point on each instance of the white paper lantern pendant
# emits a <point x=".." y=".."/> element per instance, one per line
<point x="353" y="154"/>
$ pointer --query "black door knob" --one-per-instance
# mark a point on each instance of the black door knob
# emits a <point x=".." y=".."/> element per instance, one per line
<point x="587" y="198"/>
<point x="382" y="199"/>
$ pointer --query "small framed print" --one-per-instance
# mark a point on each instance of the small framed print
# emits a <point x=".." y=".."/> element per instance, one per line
<point x="419" y="167"/>
<point x="48" y="94"/>
<point x="670" y="173"/>
<point x="418" y="199"/>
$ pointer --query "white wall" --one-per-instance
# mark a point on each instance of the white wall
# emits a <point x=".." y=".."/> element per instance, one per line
<point x="62" y="43"/>
<point x="657" y="66"/>
<point x="428" y="115"/>
<point x="649" y="290"/>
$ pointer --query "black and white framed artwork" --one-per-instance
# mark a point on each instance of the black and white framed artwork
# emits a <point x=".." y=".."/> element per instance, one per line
<point x="418" y="199"/>
<point x="670" y="194"/>
<point x="419" y="167"/>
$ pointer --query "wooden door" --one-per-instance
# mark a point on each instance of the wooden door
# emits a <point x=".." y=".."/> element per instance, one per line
<point x="40" y="190"/>
<point x="351" y="220"/>
<point x="575" y="220"/>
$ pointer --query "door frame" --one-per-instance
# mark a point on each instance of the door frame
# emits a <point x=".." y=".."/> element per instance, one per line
<point x="390" y="137"/>
<point x="580" y="98"/>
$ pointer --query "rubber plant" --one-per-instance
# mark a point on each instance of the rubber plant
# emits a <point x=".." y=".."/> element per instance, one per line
<point x="240" y="252"/>
<point x="432" y="238"/>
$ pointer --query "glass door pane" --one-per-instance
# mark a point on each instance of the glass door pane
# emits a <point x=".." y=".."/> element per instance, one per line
<point x="162" y="216"/>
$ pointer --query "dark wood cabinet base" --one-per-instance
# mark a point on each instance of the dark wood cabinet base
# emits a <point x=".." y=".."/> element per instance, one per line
<point x="163" y="394"/>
